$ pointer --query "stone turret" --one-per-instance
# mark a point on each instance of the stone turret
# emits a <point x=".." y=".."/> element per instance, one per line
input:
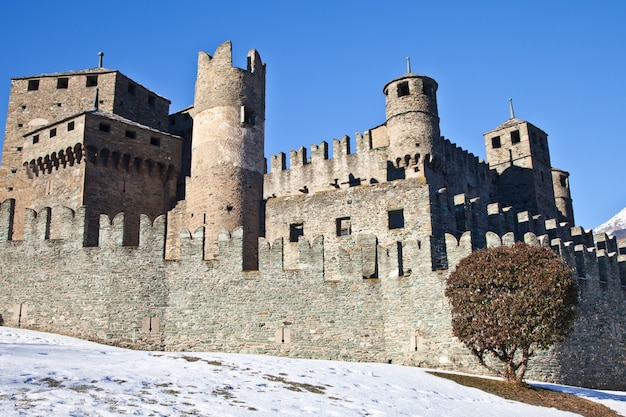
<point x="562" y="196"/>
<point x="225" y="189"/>
<point x="412" y="117"/>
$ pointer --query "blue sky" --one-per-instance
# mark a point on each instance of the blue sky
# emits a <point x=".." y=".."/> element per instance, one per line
<point x="562" y="62"/>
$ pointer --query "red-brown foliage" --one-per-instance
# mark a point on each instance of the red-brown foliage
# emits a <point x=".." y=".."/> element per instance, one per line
<point x="508" y="301"/>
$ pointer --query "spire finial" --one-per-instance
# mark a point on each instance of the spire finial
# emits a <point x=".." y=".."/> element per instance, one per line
<point x="100" y="55"/>
<point x="408" y="64"/>
<point x="512" y="113"/>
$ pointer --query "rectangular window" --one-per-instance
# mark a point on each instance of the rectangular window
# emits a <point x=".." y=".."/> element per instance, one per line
<point x="295" y="231"/>
<point x="563" y="180"/>
<point x="344" y="227"/>
<point x="247" y="116"/>
<point x="62" y="83"/>
<point x="70" y="126"/>
<point x="105" y="127"/>
<point x="131" y="134"/>
<point x="53" y="132"/>
<point x="403" y="89"/>
<point x="155" y="141"/>
<point x="92" y="81"/>
<point x="495" y="142"/>
<point x="33" y="85"/>
<point x="35" y="139"/>
<point x="515" y="138"/>
<point x="396" y="219"/>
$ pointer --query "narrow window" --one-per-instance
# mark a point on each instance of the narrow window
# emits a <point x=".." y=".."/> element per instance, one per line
<point x="344" y="227"/>
<point x="53" y="132"/>
<point x="495" y="142"/>
<point x="427" y="89"/>
<point x="403" y="89"/>
<point x="131" y="134"/>
<point x="105" y="127"/>
<point x="155" y="141"/>
<point x="515" y="137"/>
<point x="151" y="101"/>
<point x="33" y="85"/>
<point x="35" y="139"/>
<point x="92" y="81"/>
<point x="396" y="219"/>
<point x="132" y="88"/>
<point x="295" y="231"/>
<point x="563" y="180"/>
<point x="247" y="116"/>
<point x="62" y="83"/>
<point x="70" y="126"/>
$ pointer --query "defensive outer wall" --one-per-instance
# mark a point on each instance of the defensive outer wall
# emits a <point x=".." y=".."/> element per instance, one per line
<point x="133" y="296"/>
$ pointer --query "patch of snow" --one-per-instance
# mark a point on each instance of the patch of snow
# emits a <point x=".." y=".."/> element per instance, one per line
<point x="46" y="374"/>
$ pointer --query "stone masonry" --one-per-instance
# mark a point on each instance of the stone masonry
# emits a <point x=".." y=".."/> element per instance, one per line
<point x="123" y="225"/>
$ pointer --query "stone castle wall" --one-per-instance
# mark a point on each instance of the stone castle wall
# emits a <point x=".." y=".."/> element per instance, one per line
<point x="132" y="296"/>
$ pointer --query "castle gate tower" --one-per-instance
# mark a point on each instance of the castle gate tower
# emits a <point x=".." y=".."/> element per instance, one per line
<point x="225" y="189"/>
<point x="412" y="119"/>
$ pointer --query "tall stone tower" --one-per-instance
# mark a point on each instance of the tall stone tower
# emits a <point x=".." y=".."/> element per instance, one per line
<point x="412" y="119"/>
<point x="518" y="152"/>
<point x="225" y="189"/>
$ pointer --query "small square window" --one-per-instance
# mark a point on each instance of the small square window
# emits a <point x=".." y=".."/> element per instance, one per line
<point x="62" y="83"/>
<point x="53" y="132"/>
<point x="19" y="149"/>
<point x="155" y="141"/>
<point x="295" y="231"/>
<point x="35" y="139"/>
<point x="33" y="85"/>
<point x="344" y="227"/>
<point x="403" y="89"/>
<point x="131" y="134"/>
<point x="396" y="219"/>
<point x="70" y="126"/>
<point x="92" y="81"/>
<point x="151" y="101"/>
<point x="20" y="125"/>
<point x="247" y="116"/>
<point x="132" y="88"/>
<point x="495" y="142"/>
<point x="515" y="138"/>
<point x="13" y="170"/>
<point x="105" y="127"/>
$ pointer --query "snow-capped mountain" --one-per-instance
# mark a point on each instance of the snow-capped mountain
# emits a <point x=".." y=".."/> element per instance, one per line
<point x="615" y="226"/>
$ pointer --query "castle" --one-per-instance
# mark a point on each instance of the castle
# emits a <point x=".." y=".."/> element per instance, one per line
<point x="127" y="225"/>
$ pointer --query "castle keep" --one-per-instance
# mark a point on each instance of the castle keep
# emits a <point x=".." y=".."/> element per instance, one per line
<point x="127" y="225"/>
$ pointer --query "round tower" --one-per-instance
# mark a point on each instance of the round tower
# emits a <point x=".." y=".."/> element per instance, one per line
<point x="412" y="118"/>
<point x="562" y="196"/>
<point x="225" y="189"/>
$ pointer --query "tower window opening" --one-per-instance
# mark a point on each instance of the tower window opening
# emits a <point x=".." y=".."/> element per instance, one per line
<point x="105" y="127"/>
<point x="35" y="139"/>
<point x="395" y="219"/>
<point x="53" y="132"/>
<point x="131" y="134"/>
<point x="70" y="126"/>
<point x="247" y="116"/>
<point x="62" y="83"/>
<point x="295" y="231"/>
<point x="155" y="141"/>
<point x="563" y="180"/>
<point x="344" y="227"/>
<point x="403" y="89"/>
<point x="515" y="138"/>
<point x="33" y="85"/>
<point x="92" y="81"/>
<point x="495" y="142"/>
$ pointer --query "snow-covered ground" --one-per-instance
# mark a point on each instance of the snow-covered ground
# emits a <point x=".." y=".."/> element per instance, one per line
<point x="48" y="375"/>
